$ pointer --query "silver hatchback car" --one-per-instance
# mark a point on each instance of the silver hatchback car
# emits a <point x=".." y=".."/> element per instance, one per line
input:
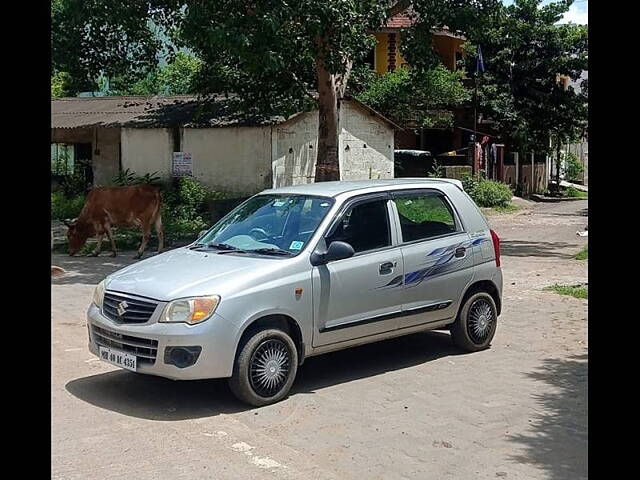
<point x="299" y="271"/>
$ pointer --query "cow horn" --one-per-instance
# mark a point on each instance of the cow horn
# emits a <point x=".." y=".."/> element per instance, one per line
<point x="69" y="223"/>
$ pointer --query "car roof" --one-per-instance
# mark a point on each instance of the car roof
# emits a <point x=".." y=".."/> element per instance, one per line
<point x="354" y="187"/>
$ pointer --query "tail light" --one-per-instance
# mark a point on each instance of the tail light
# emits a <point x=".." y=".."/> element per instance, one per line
<point x="496" y="246"/>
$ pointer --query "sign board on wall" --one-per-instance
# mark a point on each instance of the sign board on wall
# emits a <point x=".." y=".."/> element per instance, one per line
<point x="182" y="165"/>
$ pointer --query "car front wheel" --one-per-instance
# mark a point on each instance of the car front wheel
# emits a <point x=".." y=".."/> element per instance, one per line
<point x="265" y="368"/>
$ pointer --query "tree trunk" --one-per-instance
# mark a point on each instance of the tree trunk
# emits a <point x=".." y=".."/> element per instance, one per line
<point x="327" y="165"/>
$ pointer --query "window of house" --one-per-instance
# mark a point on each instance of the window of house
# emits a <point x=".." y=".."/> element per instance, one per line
<point x="424" y="215"/>
<point x="365" y="226"/>
<point x="62" y="159"/>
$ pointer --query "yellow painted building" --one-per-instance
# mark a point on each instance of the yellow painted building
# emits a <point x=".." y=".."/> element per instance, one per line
<point x="387" y="57"/>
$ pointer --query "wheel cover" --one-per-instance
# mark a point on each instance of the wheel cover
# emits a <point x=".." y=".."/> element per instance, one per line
<point x="480" y="321"/>
<point x="269" y="368"/>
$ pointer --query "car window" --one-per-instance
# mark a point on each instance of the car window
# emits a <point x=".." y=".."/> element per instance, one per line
<point x="365" y="226"/>
<point x="284" y="222"/>
<point x="424" y="216"/>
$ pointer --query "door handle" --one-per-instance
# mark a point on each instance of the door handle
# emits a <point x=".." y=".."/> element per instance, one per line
<point x="460" y="252"/>
<point x="386" y="268"/>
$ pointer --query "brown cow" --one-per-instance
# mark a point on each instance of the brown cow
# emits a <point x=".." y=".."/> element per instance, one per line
<point x="107" y="207"/>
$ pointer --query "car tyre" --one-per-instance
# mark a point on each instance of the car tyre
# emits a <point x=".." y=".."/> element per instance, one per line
<point x="476" y="324"/>
<point x="265" y="368"/>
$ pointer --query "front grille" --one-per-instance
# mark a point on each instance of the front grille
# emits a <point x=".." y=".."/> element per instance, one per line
<point x="144" y="348"/>
<point x="136" y="310"/>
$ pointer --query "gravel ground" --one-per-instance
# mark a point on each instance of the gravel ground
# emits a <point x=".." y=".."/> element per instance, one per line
<point x="412" y="407"/>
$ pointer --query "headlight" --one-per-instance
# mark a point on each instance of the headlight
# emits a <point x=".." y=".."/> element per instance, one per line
<point x="98" y="295"/>
<point x="190" y="310"/>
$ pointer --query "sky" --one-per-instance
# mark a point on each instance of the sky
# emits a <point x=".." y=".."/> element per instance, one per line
<point x="576" y="14"/>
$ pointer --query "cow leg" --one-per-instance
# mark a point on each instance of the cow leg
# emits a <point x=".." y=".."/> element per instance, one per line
<point x="96" y="251"/>
<point x="146" y="233"/>
<point x="107" y="229"/>
<point x="160" y="233"/>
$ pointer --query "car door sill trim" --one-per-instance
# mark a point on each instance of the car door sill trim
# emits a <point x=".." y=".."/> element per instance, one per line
<point x="388" y="316"/>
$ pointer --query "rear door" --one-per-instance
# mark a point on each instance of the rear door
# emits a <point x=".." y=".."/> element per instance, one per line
<point x="437" y="255"/>
<point x="359" y="296"/>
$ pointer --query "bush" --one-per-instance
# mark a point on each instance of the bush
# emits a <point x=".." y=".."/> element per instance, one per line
<point x="572" y="166"/>
<point x="487" y="193"/>
<point x="63" y="207"/>
<point x="185" y="207"/>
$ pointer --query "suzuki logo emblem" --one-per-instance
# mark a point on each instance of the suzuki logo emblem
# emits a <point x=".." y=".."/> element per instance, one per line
<point x="122" y="308"/>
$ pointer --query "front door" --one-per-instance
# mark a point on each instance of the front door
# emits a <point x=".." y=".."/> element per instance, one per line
<point x="359" y="296"/>
<point x="437" y="253"/>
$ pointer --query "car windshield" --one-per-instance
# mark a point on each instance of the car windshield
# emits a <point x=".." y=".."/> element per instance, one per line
<point x="269" y="224"/>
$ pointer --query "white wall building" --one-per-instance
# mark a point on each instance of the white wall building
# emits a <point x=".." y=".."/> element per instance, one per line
<point x="228" y="152"/>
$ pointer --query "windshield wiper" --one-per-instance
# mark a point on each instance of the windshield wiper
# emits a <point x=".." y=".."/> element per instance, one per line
<point x="226" y="248"/>
<point x="219" y="246"/>
<point x="272" y="251"/>
<point x="223" y="246"/>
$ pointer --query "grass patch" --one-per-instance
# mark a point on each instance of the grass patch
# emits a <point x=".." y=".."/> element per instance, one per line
<point x="573" y="192"/>
<point x="583" y="254"/>
<point x="577" y="291"/>
<point x="506" y="208"/>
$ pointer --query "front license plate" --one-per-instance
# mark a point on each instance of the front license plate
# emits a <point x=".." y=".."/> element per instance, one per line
<point x="118" y="358"/>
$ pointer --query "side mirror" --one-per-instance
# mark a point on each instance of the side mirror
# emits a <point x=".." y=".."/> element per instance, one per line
<point x="337" y="251"/>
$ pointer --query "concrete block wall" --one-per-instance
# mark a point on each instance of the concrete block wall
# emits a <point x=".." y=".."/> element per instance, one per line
<point x="365" y="146"/>
<point x="294" y="150"/>
<point x="234" y="160"/>
<point x="147" y="150"/>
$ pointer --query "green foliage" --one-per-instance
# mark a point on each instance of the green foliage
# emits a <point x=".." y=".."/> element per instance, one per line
<point x="573" y="192"/>
<point x="149" y="178"/>
<point x="185" y="207"/>
<point x="525" y="50"/>
<point x="64" y="208"/>
<point x="577" y="291"/>
<point x="59" y="84"/>
<point x="176" y="78"/>
<point x="418" y="99"/>
<point x="583" y="254"/>
<point x="506" y="208"/>
<point x="125" y="177"/>
<point x="470" y="183"/>
<point x="266" y="51"/>
<point x="437" y="171"/>
<point x="572" y="166"/>
<point x="75" y="184"/>
<point x="487" y="193"/>
<point x="424" y="209"/>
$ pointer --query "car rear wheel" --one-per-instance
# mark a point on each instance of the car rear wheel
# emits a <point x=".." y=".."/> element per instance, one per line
<point x="265" y="368"/>
<point x="476" y="324"/>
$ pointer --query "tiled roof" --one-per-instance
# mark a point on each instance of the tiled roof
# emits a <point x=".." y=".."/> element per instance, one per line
<point x="402" y="20"/>
<point x="151" y="112"/>
<point x="163" y="112"/>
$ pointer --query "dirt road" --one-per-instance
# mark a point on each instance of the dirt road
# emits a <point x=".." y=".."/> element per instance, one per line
<point x="410" y="408"/>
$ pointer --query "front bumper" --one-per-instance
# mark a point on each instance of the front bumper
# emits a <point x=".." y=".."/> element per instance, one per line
<point x="217" y="336"/>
